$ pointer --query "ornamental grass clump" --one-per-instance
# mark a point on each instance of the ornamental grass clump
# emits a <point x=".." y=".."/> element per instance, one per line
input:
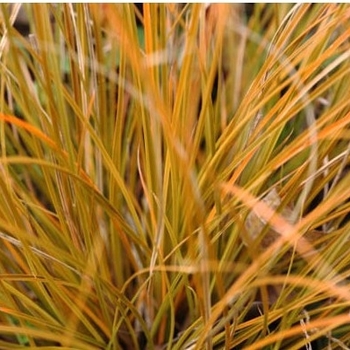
<point x="174" y="176"/>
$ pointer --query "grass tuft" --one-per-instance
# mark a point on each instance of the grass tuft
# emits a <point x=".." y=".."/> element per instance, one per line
<point x="174" y="176"/>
